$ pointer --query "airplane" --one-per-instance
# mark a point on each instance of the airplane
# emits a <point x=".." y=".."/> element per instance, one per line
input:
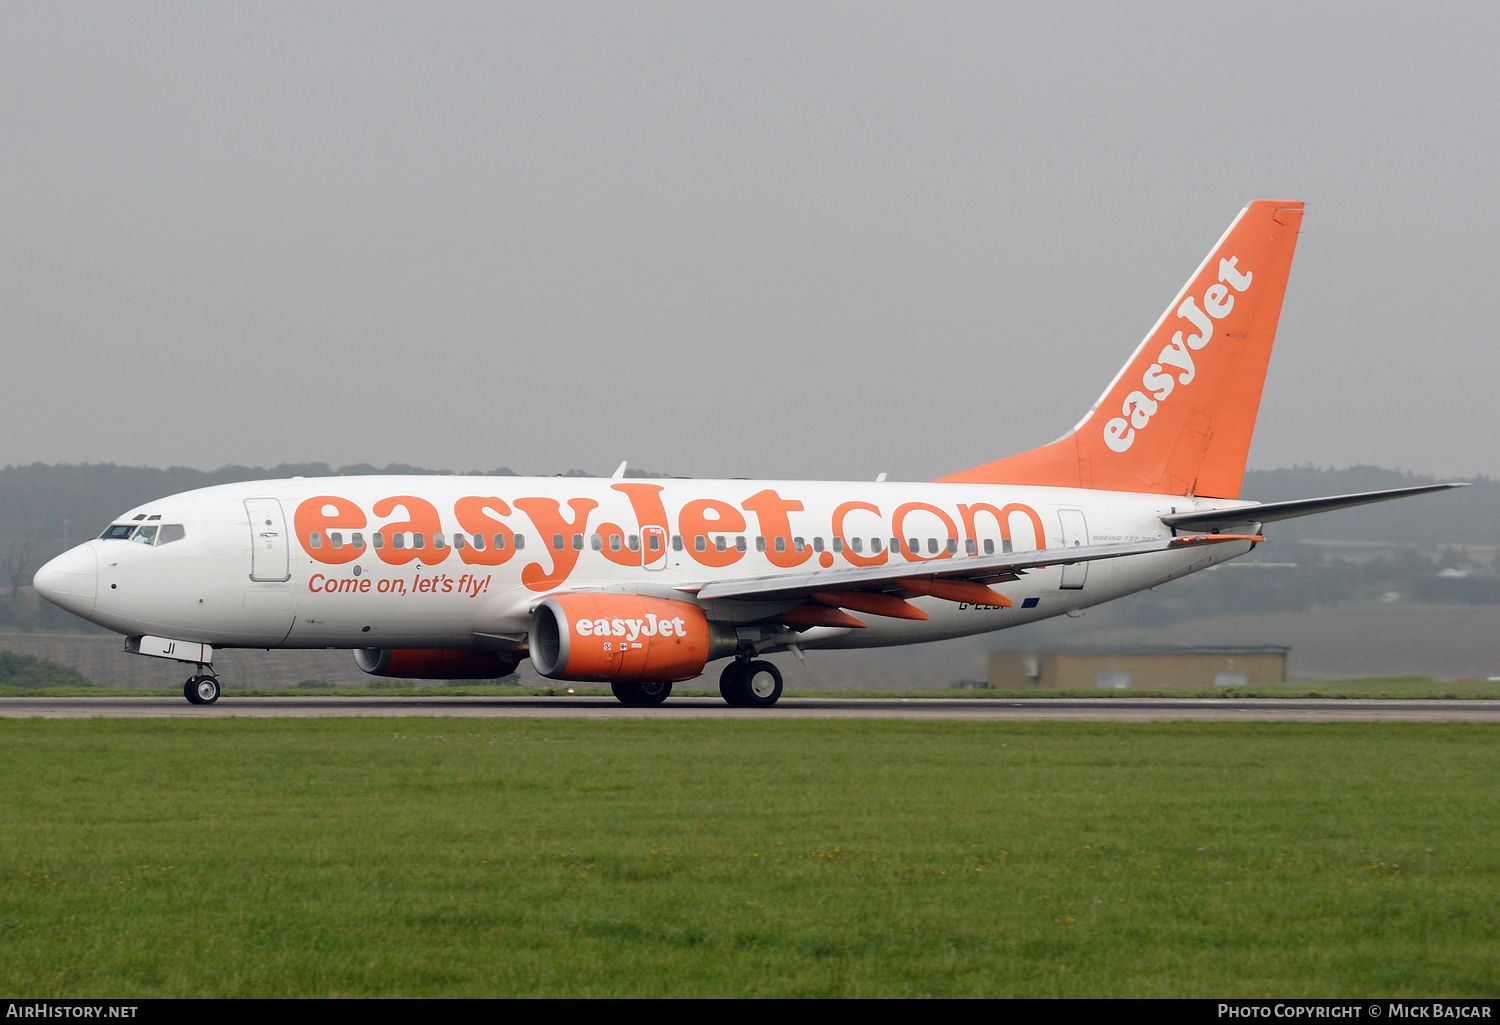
<point x="642" y="583"/>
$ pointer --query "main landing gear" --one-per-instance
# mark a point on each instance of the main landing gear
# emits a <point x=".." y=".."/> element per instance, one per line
<point x="652" y="692"/>
<point x="202" y="689"/>
<point x="750" y="684"/>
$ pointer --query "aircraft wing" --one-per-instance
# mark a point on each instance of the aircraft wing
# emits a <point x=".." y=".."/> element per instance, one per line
<point x="934" y="576"/>
<point x="1246" y="515"/>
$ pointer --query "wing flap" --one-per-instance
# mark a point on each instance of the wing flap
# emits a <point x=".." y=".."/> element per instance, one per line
<point x="927" y="577"/>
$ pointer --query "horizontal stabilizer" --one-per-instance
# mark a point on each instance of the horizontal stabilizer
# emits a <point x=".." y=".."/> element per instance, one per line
<point x="1246" y="515"/>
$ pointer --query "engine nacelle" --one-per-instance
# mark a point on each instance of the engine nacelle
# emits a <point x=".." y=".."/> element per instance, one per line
<point x="597" y="636"/>
<point x="435" y="663"/>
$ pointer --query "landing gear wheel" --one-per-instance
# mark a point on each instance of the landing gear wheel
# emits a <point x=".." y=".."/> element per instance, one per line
<point x="762" y="684"/>
<point x="201" y="690"/>
<point x="638" y="694"/>
<point x="734" y="686"/>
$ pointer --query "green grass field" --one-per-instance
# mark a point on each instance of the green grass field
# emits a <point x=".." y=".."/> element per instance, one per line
<point x="461" y="857"/>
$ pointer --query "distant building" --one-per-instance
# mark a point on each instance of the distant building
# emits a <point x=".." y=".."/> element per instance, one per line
<point x="1149" y="668"/>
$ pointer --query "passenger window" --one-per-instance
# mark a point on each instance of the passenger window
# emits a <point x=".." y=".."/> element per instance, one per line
<point x="315" y="539"/>
<point x="335" y="539"/>
<point x="913" y="546"/>
<point x="838" y="544"/>
<point x="557" y="542"/>
<point x="676" y="542"/>
<point x="896" y="545"/>
<point x="856" y="544"/>
<point x="719" y="544"/>
<point x="597" y="543"/>
<point x="932" y="546"/>
<point x="357" y="540"/>
<point x="520" y="541"/>
<point x="377" y="539"/>
<point x="1005" y="545"/>
<point x="780" y="543"/>
<point x="634" y="543"/>
<point x="952" y="546"/>
<point x="614" y="543"/>
<point x="398" y="540"/>
<point x="498" y="541"/>
<point x="577" y="542"/>
<point x="876" y="545"/>
<point x="970" y="547"/>
<point x="653" y="542"/>
<point x="739" y="544"/>
<point x="700" y="543"/>
<point x="817" y="544"/>
<point x="170" y="532"/>
<point x="439" y="541"/>
<point x="479" y="542"/>
<point x="418" y="540"/>
<point x="459" y="541"/>
<point x="798" y="545"/>
<point x="989" y="546"/>
<point x="760" y="543"/>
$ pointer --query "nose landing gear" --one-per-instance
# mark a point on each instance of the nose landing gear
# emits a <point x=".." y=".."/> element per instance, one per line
<point x="202" y="689"/>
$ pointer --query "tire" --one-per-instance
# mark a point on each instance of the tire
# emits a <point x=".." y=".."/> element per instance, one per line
<point x="762" y="684"/>
<point x="640" y="695"/>
<point x="202" y="690"/>
<point x="732" y="685"/>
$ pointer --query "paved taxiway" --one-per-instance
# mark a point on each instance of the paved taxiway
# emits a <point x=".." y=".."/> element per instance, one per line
<point x="1053" y="710"/>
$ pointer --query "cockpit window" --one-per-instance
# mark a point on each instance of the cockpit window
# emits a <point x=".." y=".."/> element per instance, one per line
<point x="145" y="534"/>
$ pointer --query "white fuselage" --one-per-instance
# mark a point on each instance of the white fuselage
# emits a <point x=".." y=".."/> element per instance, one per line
<point x="294" y="563"/>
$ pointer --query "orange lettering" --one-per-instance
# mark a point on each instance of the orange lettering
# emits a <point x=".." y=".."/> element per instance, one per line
<point x="838" y="532"/>
<point x="1002" y="519"/>
<point x="694" y="521"/>
<point x="770" y="511"/>
<point x="324" y="513"/>
<point x="423" y="521"/>
<point x="898" y="525"/>
<point x="471" y="516"/>
<point x="546" y="514"/>
<point x="645" y="502"/>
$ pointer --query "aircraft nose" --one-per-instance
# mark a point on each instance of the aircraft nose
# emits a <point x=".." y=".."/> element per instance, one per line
<point x="70" y="581"/>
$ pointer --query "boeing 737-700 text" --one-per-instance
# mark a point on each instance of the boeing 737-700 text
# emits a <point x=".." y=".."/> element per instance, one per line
<point x="642" y="584"/>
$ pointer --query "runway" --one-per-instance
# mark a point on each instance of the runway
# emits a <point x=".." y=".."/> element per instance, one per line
<point x="961" y="709"/>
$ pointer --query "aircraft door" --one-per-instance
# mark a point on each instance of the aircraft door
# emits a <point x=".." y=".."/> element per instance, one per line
<point x="654" y="547"/>
<point x="1075" y="533"/>
<point x="270" y="557"/>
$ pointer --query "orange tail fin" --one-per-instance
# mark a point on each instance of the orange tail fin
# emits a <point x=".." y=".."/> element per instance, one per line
<point x="1178" y="418"/>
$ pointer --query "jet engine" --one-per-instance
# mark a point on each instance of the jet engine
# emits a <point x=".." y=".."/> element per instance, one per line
<point x="623" y="637"/>
<point x="435" y="663"/>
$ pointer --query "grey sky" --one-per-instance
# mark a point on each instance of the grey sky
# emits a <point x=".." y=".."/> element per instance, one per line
<point x="725" y="240"/>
